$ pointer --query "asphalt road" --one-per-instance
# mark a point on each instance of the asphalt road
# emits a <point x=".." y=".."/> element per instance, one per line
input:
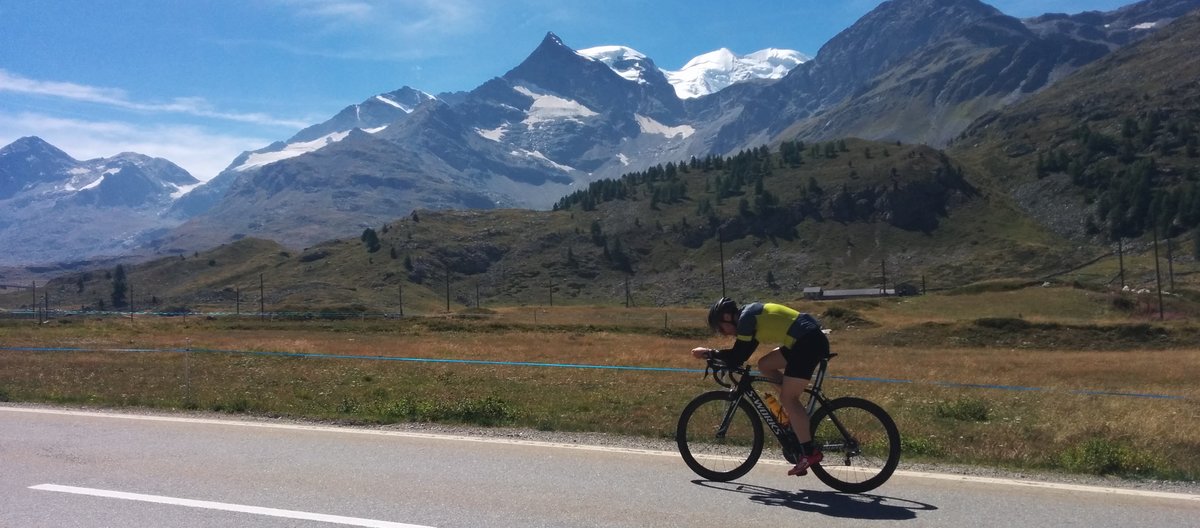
<point x="63" y="468"/>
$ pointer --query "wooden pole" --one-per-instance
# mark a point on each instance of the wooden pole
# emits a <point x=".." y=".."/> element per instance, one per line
<point x="1170" y="266"/>
<point x="1121" y="260"/>
<point x="1158" y="276"/>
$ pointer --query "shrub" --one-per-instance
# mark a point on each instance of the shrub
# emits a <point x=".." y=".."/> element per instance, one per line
<point x="1010" y="324"/>
<point x="1123" y="303"/>
<point x="842" y="317"/>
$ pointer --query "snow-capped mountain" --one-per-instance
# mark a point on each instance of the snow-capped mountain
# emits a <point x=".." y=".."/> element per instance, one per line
<point x="706" y="74"/>
<point x="629" y="63"/>
<point x="55" y="208"/>
<point x="31" y="168"/>
<point x="371" y="116"/>
<point x="911" y="70"/>
<point x="716" y="70"/>
<point x="564" y="118"/>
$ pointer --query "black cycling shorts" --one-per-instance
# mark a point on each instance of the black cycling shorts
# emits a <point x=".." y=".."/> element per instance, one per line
<point x="803" y="357"/>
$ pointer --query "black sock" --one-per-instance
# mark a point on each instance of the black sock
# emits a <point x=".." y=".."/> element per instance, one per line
<point x="806" y="448"/>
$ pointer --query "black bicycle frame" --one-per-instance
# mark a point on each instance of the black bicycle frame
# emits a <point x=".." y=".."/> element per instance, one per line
<point x="787" y="439"/>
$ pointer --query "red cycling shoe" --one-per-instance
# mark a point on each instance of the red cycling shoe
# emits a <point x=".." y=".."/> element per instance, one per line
<point x="804" y="463"/>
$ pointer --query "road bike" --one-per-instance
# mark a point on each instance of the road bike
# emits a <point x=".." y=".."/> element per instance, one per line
<point x="720" y="433"/>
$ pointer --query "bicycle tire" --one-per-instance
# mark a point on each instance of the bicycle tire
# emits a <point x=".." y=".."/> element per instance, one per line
<point x="725" y="458"/>
<point x="868" y="458"/>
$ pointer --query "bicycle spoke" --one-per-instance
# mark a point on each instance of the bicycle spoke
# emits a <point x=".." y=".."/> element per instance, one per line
<point x="860" y="443"/>
<point x="717" y="441"/>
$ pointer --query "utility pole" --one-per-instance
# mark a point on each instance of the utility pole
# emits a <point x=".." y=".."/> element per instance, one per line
<point x="1121" y="259"/>
<point x="883" y="270"/>
<point x="262" y="304"/>
<point x="1158" y="276"/>
<point x="400" y="294"/>
<point x="1170" y="266"/>
<point x="447" y="290"/>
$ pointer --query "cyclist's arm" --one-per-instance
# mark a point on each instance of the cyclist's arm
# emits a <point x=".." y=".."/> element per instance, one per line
<point x="741" y="351"/>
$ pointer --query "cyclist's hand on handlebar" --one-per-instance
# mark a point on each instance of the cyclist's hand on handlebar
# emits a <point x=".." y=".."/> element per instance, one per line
<point x="702" y="353"/>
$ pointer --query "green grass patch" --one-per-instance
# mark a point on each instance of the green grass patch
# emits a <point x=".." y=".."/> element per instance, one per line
<point x="920" y="446"/>
<point x="964" y="409"/>
<point x="1000" y="285"/>
<point x="488" y="411"/>
<point x="1103" y="456"/>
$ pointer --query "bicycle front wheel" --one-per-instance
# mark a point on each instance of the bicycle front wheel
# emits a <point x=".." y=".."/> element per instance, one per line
<point x="719" y="437"/>
<point x="860" y="442"/>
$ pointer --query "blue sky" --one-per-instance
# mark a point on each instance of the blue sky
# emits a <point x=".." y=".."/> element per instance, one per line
<point x="199" y="81"/>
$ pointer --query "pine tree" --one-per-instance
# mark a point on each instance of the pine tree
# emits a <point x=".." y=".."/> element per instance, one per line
<point x="120" y="287"/>
<point x="371" y="239"/>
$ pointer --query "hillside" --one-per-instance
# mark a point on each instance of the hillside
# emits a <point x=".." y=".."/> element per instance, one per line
<point x="1110" y="152"/>
<point x="839" y="215"/>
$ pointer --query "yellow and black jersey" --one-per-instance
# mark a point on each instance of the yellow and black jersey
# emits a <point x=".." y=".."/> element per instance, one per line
<point x="767" y="323"/>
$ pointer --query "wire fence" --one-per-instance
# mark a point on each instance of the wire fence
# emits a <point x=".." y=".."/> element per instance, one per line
<point x="583" y="366"/>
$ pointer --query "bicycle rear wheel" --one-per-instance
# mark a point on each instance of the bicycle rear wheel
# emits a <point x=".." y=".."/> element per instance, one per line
<point x="713" y="453"/>
<point x="860" y="442"/>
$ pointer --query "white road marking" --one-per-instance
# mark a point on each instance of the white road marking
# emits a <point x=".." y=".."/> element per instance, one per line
<point x="582" y="447"/>
<point x="257" y="510"/>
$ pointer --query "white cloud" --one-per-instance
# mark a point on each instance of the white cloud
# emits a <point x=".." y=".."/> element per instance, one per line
<point x="407" y="17"/>
<point x="201" y="152"/>
<point x="378" y="30"/>
<point x="193" y="106"/>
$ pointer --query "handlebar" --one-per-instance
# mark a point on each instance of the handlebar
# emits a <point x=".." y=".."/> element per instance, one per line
<point x="723" y="372"/>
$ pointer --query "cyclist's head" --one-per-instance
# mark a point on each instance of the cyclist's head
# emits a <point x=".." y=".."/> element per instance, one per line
<point x="723" y="306"/>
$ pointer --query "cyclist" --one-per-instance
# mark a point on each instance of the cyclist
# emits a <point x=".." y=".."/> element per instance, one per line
<point x="790" y="366"/>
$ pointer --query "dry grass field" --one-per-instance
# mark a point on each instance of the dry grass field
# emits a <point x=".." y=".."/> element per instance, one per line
<point x="1028" y="378"/>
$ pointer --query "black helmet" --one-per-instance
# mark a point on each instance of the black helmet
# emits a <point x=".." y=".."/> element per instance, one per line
<point x="723" y="306"/>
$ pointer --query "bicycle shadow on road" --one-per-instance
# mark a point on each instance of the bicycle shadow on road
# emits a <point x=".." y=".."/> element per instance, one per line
<point x="833" y="504"/>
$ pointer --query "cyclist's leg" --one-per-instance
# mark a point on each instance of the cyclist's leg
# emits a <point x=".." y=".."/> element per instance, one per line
<point x="801" y="361"/>
<point x="793" y="389"/>
<point x="790" y="395"/>
<point x="772" y="365"/>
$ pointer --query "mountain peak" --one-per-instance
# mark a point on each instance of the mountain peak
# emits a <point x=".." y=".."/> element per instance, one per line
<point x="32" y="144"/>
<point x="719" y="69"/>
<point x="629" y="63"/>
<point x="552" y="40"/>
<point x="552" y="65"/>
